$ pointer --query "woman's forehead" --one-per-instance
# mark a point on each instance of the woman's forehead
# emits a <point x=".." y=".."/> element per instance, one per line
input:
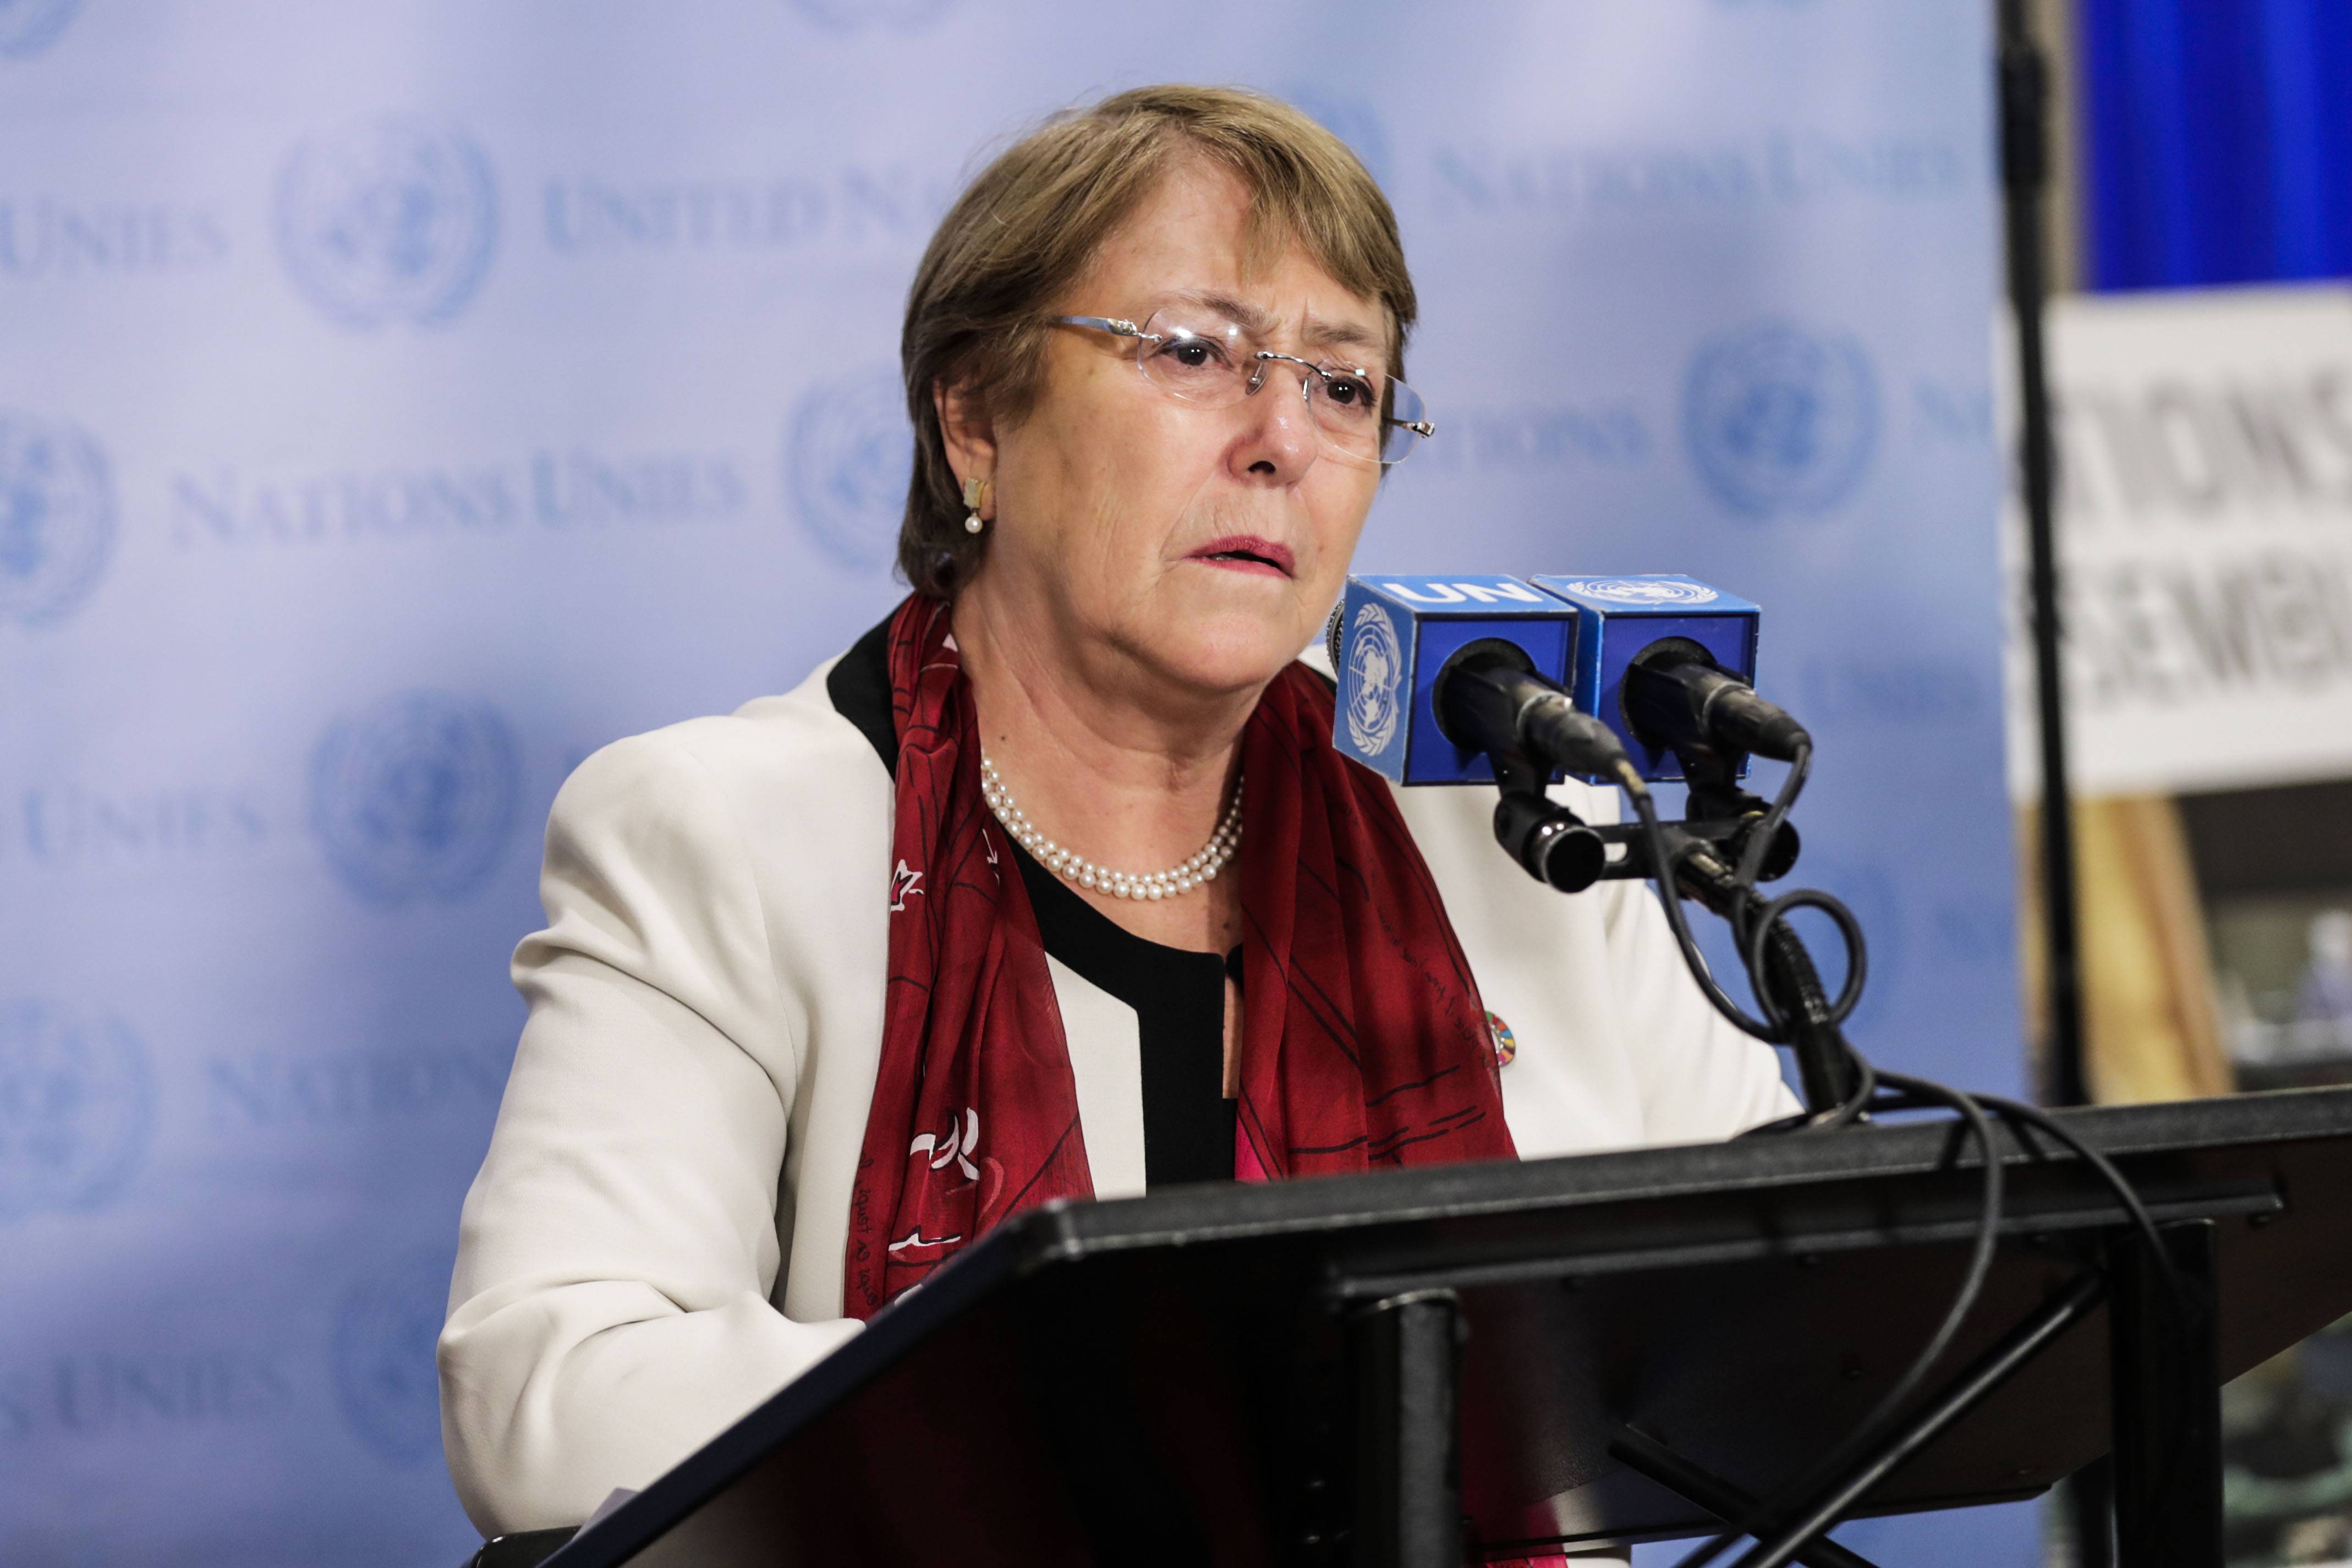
<point x="1192" y="243"/>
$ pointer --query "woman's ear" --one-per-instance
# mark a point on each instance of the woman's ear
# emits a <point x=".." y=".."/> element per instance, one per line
<point x="968" y="432"/>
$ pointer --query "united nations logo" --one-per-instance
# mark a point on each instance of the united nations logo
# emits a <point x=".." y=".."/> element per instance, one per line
<point x="57" y="518"/>
<point x="392" y="220"/>
<point x="28" y="26"/>
<point x="1645" y="591"/>
<point x="76" y="1107"/>
<point x="385" y="1379"/>
<point x="848" y="16"/>
<point x="416" y="797"/>
<point x="1780" y="420"/>
<point x="849" y="454"/>
<point x="1376" y="677"/>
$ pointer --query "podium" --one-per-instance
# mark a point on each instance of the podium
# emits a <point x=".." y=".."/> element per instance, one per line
<point x="1463" y="1363"/>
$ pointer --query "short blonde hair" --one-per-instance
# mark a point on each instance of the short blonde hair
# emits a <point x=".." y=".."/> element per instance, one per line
<point x="1032" y="222"/>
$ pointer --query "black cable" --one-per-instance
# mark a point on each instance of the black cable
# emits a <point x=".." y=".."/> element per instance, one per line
<point x="2033" y="1118"/>
<point x="1914" y="1093"/>
<point x="1759" y="842"/>
<point x="2118" y="1182"/>
<point x="1791" y="1496"/>
<point x="1760" y="922"/>
<point x="1854" y="1108"/>
<point x="1756" y="921"/>
<point x="1662" y="866"/>
<point x="1856" y="1105"/>
<point x="1827" y="1063"/>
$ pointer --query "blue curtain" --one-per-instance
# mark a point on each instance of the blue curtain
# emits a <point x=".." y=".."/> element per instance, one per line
<point x="2219" y="140"/>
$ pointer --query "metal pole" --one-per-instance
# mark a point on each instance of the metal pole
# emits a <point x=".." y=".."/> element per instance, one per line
<point x="1408" y="1432"/>
<point x="2024" y="78"/>
<point x="2165" y="1351"/>
<point x="2025" y="174"/>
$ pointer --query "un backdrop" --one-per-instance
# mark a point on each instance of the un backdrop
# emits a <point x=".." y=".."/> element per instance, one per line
<point x="398" y="402"/>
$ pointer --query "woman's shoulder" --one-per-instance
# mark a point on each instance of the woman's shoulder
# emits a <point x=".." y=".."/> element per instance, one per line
<point x="777" y="764"/>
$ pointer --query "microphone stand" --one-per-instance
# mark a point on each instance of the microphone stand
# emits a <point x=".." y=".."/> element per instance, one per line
<point x="1825" y="1064"/>
<point x="1703" y="848"/>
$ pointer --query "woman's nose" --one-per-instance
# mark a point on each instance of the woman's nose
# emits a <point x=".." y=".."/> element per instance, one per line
<point x="1282" y="436"/>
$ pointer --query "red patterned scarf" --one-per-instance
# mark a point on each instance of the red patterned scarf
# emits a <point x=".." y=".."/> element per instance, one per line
<point x="1363" y="1042"/>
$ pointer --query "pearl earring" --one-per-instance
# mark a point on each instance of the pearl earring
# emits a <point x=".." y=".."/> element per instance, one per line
<point x="972" y="490"/>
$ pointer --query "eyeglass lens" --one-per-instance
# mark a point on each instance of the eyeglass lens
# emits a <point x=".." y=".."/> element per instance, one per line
<point x="1203" y="357"/>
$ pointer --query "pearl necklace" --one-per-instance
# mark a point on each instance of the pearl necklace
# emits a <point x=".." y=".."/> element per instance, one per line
<point x="1071" y="868"/>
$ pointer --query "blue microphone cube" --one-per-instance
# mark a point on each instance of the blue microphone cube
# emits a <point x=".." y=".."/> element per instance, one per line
<point x="1617" y="617"/>
<point x="1396" y="633"/>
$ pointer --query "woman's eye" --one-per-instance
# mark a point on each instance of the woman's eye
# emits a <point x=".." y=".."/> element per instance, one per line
<point x="1193" y="354"/>
<point x="1348" y="392"/>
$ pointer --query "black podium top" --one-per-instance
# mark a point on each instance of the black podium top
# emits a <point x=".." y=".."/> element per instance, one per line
<point x="1163" y="1378"/>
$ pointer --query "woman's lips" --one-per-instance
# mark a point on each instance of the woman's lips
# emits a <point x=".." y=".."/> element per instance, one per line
<point x="1247" y="553"/>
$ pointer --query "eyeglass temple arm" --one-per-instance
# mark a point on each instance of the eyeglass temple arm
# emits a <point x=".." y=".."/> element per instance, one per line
<point x="1117" y="326"/>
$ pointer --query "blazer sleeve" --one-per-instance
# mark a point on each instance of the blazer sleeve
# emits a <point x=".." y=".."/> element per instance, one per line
<point x="610" y="1307"/>
<point x="1701" y="1079"/>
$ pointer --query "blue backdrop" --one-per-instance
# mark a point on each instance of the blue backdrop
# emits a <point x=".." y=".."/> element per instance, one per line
<point x="2218" y="136"/>
<point x="398" y="402"/>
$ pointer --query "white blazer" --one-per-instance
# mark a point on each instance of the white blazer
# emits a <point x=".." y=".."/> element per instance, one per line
<point x="655" y="1242"/>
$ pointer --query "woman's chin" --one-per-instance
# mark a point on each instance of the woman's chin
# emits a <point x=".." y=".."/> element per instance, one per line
<point x="1226" y="653"/>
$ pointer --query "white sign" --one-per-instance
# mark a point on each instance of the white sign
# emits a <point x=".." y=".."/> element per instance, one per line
<point x="2205" y="541"/>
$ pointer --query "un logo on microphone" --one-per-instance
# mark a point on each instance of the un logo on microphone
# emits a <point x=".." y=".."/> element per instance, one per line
<point x="1780" y="420"/>
<point x="77" y="1105"/>
<point x="1644" y="592"/>
<point x="849" y="454"/>
<point x="28" y="26"/>
<point x="392" y="220"/>
<point x="1375" y="679"/>
<point x="415" y="797"/>
<point x="57" y="518"/>
<point x="385" y="1379"/>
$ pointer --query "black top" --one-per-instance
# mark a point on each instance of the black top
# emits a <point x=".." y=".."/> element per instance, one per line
<point x="1179" y="997"/>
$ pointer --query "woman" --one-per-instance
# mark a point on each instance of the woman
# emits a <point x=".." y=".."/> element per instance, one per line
<point x="831" y="985"/>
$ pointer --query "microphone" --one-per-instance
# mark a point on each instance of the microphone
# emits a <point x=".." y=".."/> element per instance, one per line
<point x="1489" y="699"/>
<point x="1486" y="699"/>
<point x="1456" y="680"/>
<point x="1393" y="634"/>
<point x="1669" y="663"/>
<point x="1440" y="677"/>
<point x="1676" y="697"/>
